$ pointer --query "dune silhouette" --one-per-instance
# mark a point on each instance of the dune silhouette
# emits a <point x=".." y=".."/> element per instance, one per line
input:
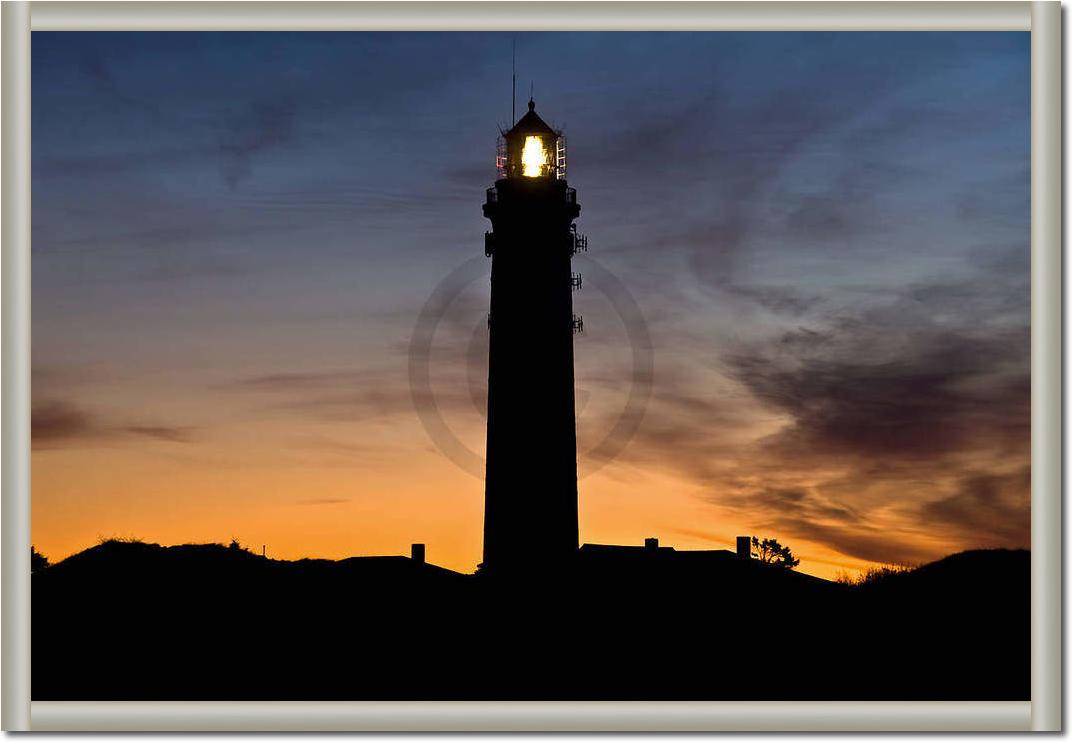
<point x="131" y="620"/>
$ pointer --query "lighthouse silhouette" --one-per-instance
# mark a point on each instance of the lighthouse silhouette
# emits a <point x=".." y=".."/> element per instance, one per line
<point x="530" y="505"/>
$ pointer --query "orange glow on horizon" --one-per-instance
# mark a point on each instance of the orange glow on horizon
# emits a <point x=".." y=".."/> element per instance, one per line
<point x="332" y="511"/>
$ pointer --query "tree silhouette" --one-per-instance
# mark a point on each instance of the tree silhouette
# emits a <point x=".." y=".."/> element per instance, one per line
<point x="769" y="551"/>
<point x="38" y="561"/>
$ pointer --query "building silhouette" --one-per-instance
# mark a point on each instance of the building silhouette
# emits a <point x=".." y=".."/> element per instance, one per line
<point x="530" y="511"/>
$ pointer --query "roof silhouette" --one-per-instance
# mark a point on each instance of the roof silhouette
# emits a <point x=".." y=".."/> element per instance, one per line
<point x="531" y="125"/>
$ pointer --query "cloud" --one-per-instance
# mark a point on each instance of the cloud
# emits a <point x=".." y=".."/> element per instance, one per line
<point x="56" y="421"/>
<point x="260" y="127"/>
<point x="346" y="395"/>
<point x="921" y="406"/>
<point x="891" y="384"/>
<point x="872" y="543"/>
<point x="303" y="381"/>
<point x="59" y="423"/>
<point x="170" y="434"/>
<point x="870" y="430"/>
<point x="987" y="507"/>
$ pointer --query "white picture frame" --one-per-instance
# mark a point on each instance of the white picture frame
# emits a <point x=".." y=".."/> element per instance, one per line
<point x="1042" y="713"/>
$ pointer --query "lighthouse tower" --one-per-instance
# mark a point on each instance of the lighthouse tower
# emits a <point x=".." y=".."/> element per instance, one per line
<point x="530" y="505"/>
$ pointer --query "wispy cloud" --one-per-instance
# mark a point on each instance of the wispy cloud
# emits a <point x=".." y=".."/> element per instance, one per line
<point x="57" y="423"/>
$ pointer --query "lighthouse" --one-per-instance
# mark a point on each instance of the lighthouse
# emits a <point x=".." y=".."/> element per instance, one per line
<point x="530" y="496"/>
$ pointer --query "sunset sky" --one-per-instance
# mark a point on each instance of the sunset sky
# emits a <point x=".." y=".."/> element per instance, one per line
<point x="827" y="236"/>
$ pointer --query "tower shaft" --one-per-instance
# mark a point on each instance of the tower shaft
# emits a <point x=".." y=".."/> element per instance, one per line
<point x="530" y="513"/>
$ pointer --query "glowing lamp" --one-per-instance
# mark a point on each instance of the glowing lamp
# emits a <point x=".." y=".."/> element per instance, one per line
<point x="533" y="157"/>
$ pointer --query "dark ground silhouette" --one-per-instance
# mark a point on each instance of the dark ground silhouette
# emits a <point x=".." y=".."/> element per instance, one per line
<point x="135" y="621"/>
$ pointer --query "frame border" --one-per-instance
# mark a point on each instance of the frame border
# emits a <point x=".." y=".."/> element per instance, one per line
<point x="15" y="393"/>
<point x="1041" y="17"/>
<point x="1046" y="367"/>
<point x="535" y="15"/>
<point x="532" y="716"/>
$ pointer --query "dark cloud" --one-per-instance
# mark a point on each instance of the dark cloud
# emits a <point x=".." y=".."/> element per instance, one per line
<point x="59" y="423"/>
<point x="989" y="509"/>
<point x="870" y="543"/>
<point x="874" y="388"/>
<point x="801" y="503"/>
<point x="161" y="432"/>
<point x="306" y="380"/>
<point x="260" y="127"/>
<point x="56" y="421"/>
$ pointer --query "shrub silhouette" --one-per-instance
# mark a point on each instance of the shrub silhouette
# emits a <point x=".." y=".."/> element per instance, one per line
<point x="874" y="575"/>
<point x="38" y="561"/>
<point x="769" y="551"/>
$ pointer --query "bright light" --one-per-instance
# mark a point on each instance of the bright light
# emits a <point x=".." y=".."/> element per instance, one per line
<point x="533" y="158"/>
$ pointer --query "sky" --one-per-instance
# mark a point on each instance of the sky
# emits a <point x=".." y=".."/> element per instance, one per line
<point x="826" y="236"/>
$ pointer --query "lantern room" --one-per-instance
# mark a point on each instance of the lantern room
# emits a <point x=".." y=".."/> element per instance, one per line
<point x="532" y="149"/>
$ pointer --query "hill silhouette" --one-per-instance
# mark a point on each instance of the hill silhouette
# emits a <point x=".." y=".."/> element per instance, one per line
<point x="138" y="621"/>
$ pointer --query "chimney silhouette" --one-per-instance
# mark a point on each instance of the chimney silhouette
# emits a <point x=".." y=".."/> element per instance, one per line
<point x="416" y="553"/>
<point x="651" y="544"/>
<point x="530" y="496"/>
<point x="744" y="547"/>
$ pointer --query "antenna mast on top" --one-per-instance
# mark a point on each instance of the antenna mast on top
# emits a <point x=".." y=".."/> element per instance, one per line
<point x="513" y="82"/>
